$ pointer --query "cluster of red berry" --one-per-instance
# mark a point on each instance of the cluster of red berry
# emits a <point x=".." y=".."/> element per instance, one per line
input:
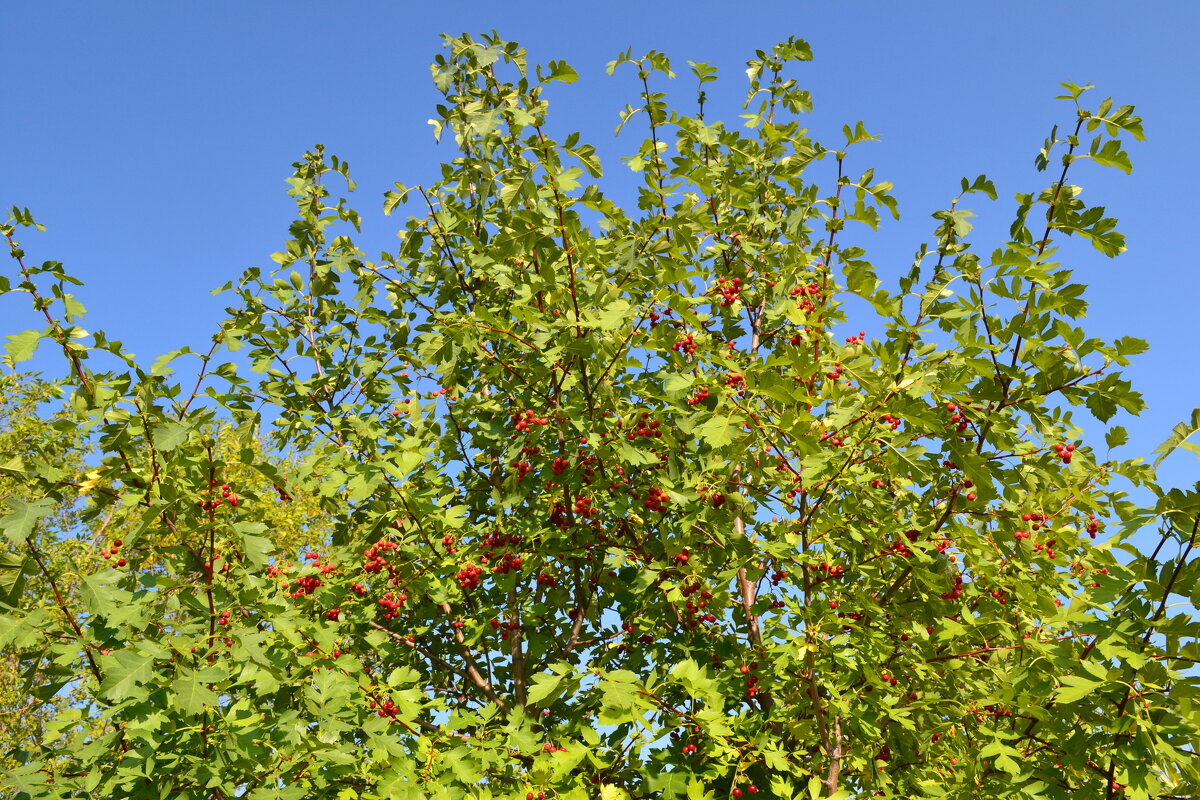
<point x="696" y="609"/>
<point x="509" y="562"/>
<point x="958" y="416"/>
<point x="505" y="628"/>
<point x="392" y="604"/>
<point x="227" y="496"/>
<point x="685" y="345"/>
<point x="730" y="290"/>
<point x="751" y="680"/>
<point x="584" y="507"/>
<point x="307" y="585"/>
<point x="1064" y="452"/>
<point x="375" y="560"/>
<point x="1048" y="547"/>
<point x="805" y="291"/>
<point x="957" y="591"/>
<point x="522" y="421"/>
<point x="656" y="500"/>
<point x="385" y="709"/>
<point x="558" y="516"/>
<point x="468" y="577"/>
<point x="646" y="428"/>
<point x="112" y="553"/>
<point x="831" y="572"/>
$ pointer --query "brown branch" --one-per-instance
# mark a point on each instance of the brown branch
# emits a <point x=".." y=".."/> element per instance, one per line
<point x="471" y="671"/>
<point x="835" y="758"/>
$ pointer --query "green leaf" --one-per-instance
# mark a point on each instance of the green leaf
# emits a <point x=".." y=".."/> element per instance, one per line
<point x="12" y="577"/>
<point x="124" y="672"/>
<point x="21" y="346"/>
<point x="258" y="549"/>
<point x="169" y="434"/>
<point x="1111" y="155"/>
<point x="1075" y="687"/>
<point x="559" y="71"/>
<point x="1179" y="438"/>
<point x="191" y="695"/>
<point x="856" y="134"/>
<point x="696" y="790"/>
<point x="544" y="686"/>
<point x="719" y="430"/>
<point x="13" y="468"/>
<point x="18" y="525"/>
<point x="678" y="382"/>
<point x="395" y="198"/>
<point x="1116" y="437"/>
<point x="981" y="184"/>
<point x="404" y="461"/>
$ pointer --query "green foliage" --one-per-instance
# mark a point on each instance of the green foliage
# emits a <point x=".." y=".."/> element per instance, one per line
<point x="609" y="503"/>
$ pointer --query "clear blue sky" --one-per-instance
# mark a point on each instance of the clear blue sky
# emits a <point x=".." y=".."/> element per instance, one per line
<point x="153" y="138"/>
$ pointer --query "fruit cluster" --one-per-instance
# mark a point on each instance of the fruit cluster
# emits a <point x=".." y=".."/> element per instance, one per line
<point x="522" y="421"/>
<point x="656" y="500"/>
<point x="468" y="577"/>
<point x="805" y="292"/>
<point x="112" y="553"/>
<point x="686" y="345"/>
<point x="392" y="604"/>
<point x="227" y="496"/>
<point x="1064" y="452"/>
<point x="646" y="428"/>
<point x="730" y="290"/>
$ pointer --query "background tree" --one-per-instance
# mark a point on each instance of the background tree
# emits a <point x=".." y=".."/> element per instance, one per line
<point x="28" y="433"/>
<point x="620" y="505"/>
<point x="34" y="692"/>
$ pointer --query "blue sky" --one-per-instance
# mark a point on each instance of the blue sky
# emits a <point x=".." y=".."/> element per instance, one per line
<point x="153" y="138"/>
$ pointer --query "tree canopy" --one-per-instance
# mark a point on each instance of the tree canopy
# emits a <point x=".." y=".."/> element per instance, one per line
<point x="563" y="500"/>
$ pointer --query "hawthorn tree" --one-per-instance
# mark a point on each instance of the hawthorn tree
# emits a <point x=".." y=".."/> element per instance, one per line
<point x="34" y="691"/>
<point x="617" y="504"/>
